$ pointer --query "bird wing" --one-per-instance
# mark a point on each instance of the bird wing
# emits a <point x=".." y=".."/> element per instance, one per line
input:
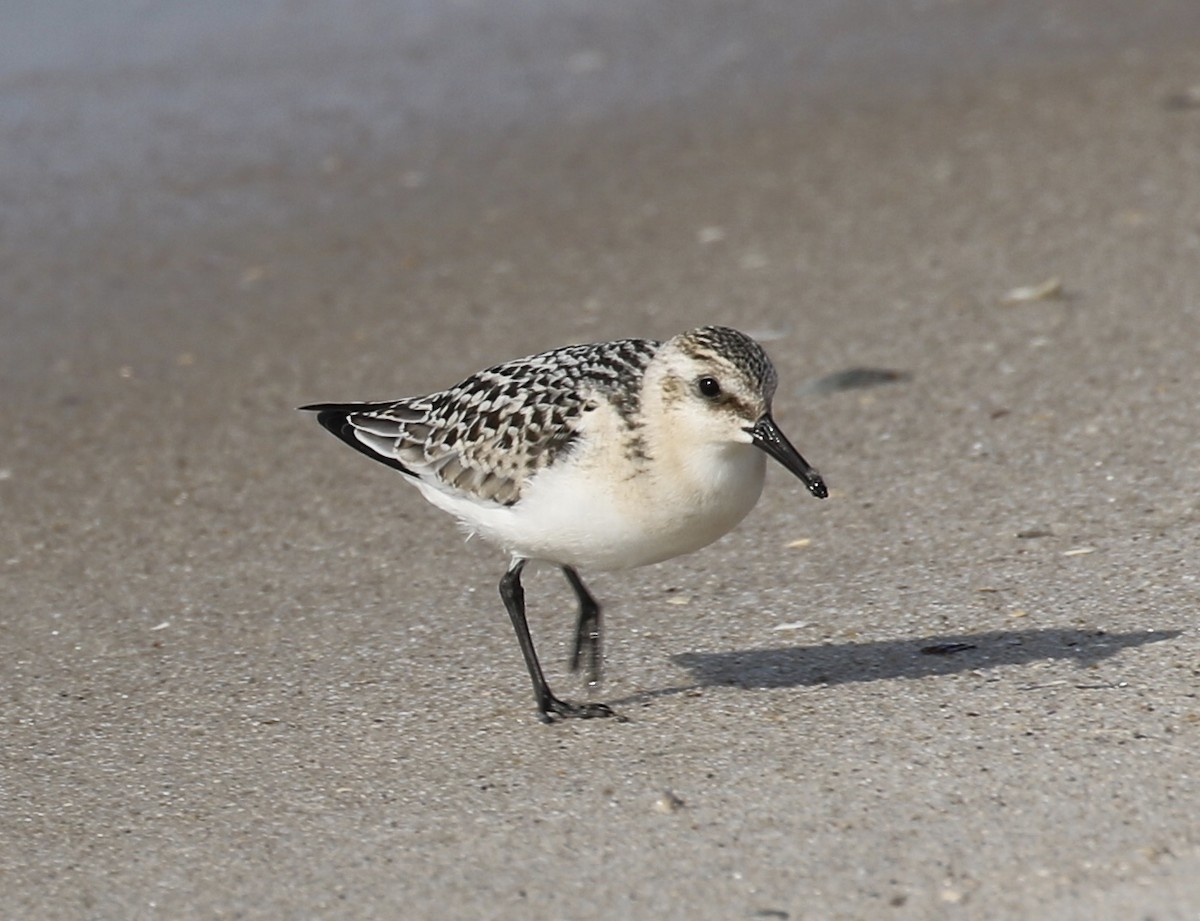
<point x="485" y="438"/>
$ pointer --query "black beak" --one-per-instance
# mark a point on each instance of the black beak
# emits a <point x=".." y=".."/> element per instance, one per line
<point x="766" y="435"/>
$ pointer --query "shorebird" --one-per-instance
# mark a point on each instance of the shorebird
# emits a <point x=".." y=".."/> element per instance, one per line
<point x="597" y="457"/>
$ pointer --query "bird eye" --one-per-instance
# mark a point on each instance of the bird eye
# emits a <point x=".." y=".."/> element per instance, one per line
<point x="709" y="387"/>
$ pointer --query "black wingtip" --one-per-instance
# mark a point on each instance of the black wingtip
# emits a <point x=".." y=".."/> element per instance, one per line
<point x="335" y="418"/>
<point x="336" y="421"/>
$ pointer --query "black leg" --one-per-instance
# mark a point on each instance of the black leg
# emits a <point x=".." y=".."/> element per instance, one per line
<point x="587" y="628"/>
<point x="548" y="705"/>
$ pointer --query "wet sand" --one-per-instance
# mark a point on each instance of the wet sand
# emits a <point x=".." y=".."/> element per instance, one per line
<point x="252" y="675"/>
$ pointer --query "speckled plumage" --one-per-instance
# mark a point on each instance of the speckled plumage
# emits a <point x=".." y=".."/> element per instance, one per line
<point x="720" y="343"/>
<point x="604" y="456"/>
<point x="487" y="436"/>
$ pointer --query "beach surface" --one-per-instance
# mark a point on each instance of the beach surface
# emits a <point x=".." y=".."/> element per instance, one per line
<point x="249" y="674"/>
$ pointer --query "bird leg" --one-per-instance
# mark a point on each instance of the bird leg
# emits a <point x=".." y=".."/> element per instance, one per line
<point x="587" y="628"/>
<point x="548" y="705"/>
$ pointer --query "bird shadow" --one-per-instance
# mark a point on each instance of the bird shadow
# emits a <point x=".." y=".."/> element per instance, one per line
<point x="930" y="656"/>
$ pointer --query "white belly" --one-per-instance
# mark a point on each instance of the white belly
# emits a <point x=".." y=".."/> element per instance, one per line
<point x="578" y="515"/>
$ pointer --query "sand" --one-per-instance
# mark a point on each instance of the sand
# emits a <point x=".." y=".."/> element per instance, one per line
<point x="249" y="674"/>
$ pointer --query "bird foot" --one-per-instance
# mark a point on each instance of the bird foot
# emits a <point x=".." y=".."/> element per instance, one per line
<point x="554" y="709"/>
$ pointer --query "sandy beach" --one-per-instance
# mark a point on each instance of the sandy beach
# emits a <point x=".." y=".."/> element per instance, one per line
<point x="251" y="675"/>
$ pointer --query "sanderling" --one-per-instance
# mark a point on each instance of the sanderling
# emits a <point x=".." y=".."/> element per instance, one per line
<point x="602" y="456"/>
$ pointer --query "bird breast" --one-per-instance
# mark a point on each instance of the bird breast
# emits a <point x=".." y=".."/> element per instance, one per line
<point x="575" y="514"/>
